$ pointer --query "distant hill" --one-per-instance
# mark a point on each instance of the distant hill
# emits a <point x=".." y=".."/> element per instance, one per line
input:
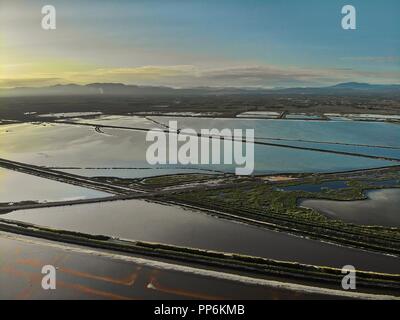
<point x="90" y="89"/>
<point x="365" y="86"/>
<point x="355" y="85"/>
<point x="346" y="88"/>
<point x="119" y="89"/>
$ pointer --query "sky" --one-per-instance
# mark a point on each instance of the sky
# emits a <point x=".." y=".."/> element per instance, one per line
<point x="188" y="43"/>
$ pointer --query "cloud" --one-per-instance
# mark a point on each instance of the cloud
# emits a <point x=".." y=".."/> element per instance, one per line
<point x="29" y="82"/>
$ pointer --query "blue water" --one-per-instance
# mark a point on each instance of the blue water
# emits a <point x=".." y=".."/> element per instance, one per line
<point x="379" y="151"/>
<point x="370" y="133"/>
<point x="68" y="146"/>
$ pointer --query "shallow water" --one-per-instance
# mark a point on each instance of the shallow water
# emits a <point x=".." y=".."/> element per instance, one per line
<point x="116" y="278"/>
<point x="141" y="220"/>
<point x="121" y="121"/>
<point x="369" y="133"/>
<point x="69" y="147"/>
<point x="381" y="208"/>
<point x="16" y="187"/>
<point x="378" y="151"/>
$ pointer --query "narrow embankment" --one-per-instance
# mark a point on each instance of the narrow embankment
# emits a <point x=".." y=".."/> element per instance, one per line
<point x="67" y="177"/>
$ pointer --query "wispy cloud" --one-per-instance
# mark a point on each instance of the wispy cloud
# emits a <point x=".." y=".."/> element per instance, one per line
<point x="29" y="82"/>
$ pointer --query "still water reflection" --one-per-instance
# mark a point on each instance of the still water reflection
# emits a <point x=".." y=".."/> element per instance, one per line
<point x="141" y="220"/>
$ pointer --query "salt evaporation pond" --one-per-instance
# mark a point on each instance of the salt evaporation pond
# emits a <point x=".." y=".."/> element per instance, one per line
<point x="356" y="132"/>
<point x="146" y="221"/>
<point x="73" y="147"/>
<point x="17" y="187"/>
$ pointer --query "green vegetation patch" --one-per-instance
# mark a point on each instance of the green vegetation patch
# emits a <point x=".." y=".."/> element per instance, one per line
<point x="266" y="203"/>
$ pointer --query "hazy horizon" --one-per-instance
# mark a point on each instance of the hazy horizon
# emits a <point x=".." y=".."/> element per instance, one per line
<point x="198" y="87"/>
<point x="177" y="43"/>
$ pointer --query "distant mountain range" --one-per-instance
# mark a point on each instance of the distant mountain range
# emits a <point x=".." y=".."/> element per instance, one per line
<point x="119" y="89"/>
